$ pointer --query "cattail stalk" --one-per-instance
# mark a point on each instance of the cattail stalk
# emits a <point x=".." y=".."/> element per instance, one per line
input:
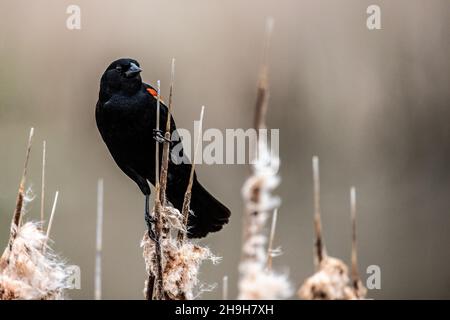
<point x="225" y="288"/>
<point x="271" y="238"/>
<point x="256" y="280"/>
<point x="354" y="258"/>
<point x="262" y="96"/>
<point x="158" y="291"/>
<point x="151" y="289"/>
<point x="331" y="280"/>
<point x="99" y="244"/>
<point x="166" y="145"/>
<point x="188" y="194"/>
<point x="173" y="263"/>
<point x="50" y="222"/>
<point x="320" y="251"/>
<point x="20" y="195"/>
<point x="357" y="285"/>
<point x="43" y="182"/>
<point x="262" y="103"/>
<point x="158" y="106"/>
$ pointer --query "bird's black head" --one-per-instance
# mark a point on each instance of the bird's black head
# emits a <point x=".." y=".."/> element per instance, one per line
<point x="122" y="76"/>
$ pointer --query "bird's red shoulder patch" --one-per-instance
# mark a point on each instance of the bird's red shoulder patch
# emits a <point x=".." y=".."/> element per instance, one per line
<point x="152" y="92"/>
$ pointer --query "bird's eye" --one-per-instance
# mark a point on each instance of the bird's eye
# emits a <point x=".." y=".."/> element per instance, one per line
<point x="119" y="68"/>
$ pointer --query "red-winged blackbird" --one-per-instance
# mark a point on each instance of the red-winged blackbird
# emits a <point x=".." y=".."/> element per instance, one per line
<point x="126" y="119"/>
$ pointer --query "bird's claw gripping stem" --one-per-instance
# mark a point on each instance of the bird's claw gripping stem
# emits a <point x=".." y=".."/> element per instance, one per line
<point x="149" y="220"/>
<point x="151" y="233"/>
<point x="158" y="135"/>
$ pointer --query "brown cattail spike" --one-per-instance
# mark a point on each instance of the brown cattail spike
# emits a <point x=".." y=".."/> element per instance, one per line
<point x="262" y="97"/>
<point x="319" y="244"/>
<point x="20" y="195"/>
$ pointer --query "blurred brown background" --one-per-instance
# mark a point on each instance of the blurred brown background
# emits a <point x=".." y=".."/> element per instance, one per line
<point x="374" y="105"/>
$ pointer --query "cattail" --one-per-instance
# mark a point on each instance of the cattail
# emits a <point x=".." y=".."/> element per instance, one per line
<point x="256" y="280"/>
<point x="28" y="267"/>
<point x="331" y="281"/>
<point x="155" y="263"/>
<point x="172" y="262"/>
<point x="181" y="265"/>
<point x="29" y="272"/>
<point x="180" y="261"/>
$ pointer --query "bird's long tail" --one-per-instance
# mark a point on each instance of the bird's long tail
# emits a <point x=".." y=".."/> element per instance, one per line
<point x="209" y="214"/>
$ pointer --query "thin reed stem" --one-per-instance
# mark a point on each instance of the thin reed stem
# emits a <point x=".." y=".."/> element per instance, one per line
<point x="354" y="259"/>
<point x="158" y="106"/>
<point x="262" y="98"/>
<point x="50" y="222"/>
<point x="17" y="216"/>
<point x="319" y="244"/>
<point x="225" y="288"/>
<point x="43" y="183"/>
<point x="271" y="238"/>
<point x="98" y="242"/>
<point x="188" y="194"/>
<point x="166" y="145"/>
<point x="158" y="293"/>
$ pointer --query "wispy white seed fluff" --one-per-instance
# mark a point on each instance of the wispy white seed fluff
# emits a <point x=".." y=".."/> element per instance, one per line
<point x="256" y="280"/>
<point x="27" y="271"/>
<point x="330" y="282"/>
<point x="180" y="261"/>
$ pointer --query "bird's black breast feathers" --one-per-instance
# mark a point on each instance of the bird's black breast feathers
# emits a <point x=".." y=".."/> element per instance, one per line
<point x="126" y="124"/>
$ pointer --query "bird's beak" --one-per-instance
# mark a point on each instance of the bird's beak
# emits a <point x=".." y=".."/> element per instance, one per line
<point x="134" y="70"/>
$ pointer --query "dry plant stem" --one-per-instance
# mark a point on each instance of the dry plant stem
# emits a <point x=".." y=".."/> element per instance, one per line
<point x="43" y="183"/>
<point x="150" y="287"/>
<point x="271" y="238"/>
<point x="354" y="273"/>
<point x="187" y="196"/>
<point x="160" y="201"/>
<point x="20" y="195"/>
<point x="29" y="273"/>
<point x="262" y="102"/>
<point x="158" y="106"/>
<point x="225" y="288"/>
<point x="357" y="285"/>
<point x="166" y="145"/>
<point x="262" y="97"/>
<point x="319" y="245"/>
<point x="158" y="292"/>
<point x="50" y="222"/>
<point x="154" y="283"/>
<point x="256" y="280"/>
<point x="99" y="244"/>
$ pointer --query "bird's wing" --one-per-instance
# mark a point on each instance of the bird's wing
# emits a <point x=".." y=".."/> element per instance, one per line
<point x="164" y="110"/>
<point x="151" y="90"/>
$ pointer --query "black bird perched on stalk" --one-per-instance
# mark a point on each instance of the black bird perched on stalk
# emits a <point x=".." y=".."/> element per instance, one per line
<point x="126" y="118"/>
